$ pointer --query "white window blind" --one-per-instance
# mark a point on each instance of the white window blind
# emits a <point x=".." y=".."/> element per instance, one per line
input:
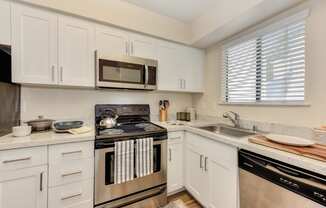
<point x="267" y="68"/>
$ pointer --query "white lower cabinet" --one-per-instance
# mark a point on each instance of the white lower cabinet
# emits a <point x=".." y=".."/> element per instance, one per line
<point x="26" y="181"/>
<point x="175" y="162"/>
<point x="211" y="172"/>
<point x="196" y="178"/>
<point x="25" y="187"/>
<point x="74" y="195"/>
<point x="71" y="173"/>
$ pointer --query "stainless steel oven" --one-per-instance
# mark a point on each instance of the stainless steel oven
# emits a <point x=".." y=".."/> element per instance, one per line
<point x="152" y="187"/>
<point x="125" y="72"/>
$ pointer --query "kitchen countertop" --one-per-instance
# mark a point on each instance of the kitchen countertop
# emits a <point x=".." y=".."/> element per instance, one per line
<point x="50" y="138"/>
<point x="41" y="139"/>
<point x="243" y="143"/>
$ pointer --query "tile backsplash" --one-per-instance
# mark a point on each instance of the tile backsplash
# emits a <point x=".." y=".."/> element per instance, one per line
<point x="59" y="103"/>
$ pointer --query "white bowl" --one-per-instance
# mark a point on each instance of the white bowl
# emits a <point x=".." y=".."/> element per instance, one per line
<point x="21" y="131"/>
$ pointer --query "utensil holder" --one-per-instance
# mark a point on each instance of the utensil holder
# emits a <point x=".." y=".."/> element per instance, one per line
<point x="163" y="115"/>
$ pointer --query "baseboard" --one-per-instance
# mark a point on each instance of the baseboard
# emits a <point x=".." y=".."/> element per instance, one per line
<point x="177" y="191"/>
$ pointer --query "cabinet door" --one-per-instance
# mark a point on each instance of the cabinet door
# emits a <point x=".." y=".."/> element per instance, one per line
<point x="175" y="167"/>
<point x="223" y="177"/>
<point x="193" y="69"/>
<point x="76" y="52"/>
<point x="5" y="23"/>
<point x="142" y="46"/>
<point x="24" y="188"/>
<point x="111" y="42"/>
<point x="34" y="45"/>
<point x="168" y="67"/>
<point x="196" y="180"/>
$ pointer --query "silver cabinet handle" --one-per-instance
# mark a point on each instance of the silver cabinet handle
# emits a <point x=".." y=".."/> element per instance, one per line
<point x="127" y="48"/>
<point x="72" y="173"/>
<point x="206" y="160"/>
<point x="16" y="160"/>
<point x="53" y="73"/>
<point x="41" y="181"/>
<point x="201" y="161"/>
<point x="170" y="155"/>
<point x="180" y="83"/>
<point x="184" y="84"/>
<point x="132" y="48"/>
<point x="72" y="152"/>
<point x="71" y="196"/>
<point x="61" y="74"/>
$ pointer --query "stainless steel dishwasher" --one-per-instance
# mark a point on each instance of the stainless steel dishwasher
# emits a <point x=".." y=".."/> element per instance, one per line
<point x="268" y="183"/>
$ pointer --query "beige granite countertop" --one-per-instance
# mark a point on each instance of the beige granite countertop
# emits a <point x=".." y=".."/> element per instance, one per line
<point x="41" y="139"/>
<point x="243" y="143"/>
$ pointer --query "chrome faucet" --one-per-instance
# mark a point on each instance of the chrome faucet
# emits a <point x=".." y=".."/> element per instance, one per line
<point x="235" y="120"/>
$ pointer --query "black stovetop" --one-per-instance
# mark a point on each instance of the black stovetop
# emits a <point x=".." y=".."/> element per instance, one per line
<point x="134" y="120"/>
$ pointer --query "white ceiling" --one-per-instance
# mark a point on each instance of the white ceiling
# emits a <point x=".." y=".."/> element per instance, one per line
<point x="182" y="10"/>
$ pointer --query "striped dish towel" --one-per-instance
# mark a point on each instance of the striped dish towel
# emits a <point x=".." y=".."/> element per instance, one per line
<point x="123" y="161"/>
<point x="144" y="157"/>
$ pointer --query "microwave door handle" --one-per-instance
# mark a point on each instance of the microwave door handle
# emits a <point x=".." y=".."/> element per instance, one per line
<point x="146" y="75"/>
<point x="96" y="68"/>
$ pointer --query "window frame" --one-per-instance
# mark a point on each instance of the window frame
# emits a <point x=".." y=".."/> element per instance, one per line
<point x="257" y="34"/>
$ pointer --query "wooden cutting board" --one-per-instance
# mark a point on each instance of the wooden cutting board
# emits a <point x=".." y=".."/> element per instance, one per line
<point x="317" y="151"/>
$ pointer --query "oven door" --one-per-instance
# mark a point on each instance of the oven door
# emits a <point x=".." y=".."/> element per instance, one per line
<point x="107" y="191"/>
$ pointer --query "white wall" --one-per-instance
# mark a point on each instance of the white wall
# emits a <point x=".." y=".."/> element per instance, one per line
<point x="79" y="104"/>
<point x="122" y="14"/>
<point x="309" y="116"/>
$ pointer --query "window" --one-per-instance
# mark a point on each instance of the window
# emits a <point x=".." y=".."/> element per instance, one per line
<point x="268" y="67"/>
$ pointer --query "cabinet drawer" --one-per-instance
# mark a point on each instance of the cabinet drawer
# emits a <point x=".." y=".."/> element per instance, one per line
<point x="23" y="158"/>
<point x="68" y="172"/>
<point x="69" y="152"/>
<point x="175" y="137"/>
<point x="74" y="195"/>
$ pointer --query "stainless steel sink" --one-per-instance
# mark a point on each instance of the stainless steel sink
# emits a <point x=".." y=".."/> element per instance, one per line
<point x="228" y="130"/>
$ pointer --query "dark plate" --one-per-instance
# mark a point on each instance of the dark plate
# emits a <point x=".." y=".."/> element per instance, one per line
<point x="66" y="125"/>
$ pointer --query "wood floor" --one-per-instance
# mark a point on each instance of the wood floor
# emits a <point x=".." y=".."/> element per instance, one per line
<point x="187" y="199"/>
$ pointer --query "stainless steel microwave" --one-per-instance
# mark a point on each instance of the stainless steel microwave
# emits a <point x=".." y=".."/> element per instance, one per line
<point x="126" y="72"/>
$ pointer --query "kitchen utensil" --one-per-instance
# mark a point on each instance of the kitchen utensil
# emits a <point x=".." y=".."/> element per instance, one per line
<point x="109" y="122"/>
<point x="40" y="124"/>
<point x="166" y="104"/>
<point x="289" y="140"/>
<point x="316" y="151"/>
<point x="81" y="130"/>
<point x="163" y="115"/>
<point x="64" y="126"/>
<point x="21" y="131"/>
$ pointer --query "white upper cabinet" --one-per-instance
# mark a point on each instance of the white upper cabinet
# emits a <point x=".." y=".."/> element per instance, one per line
<point x="25" y="187"/>
<point x="168" y="73"/>
<point x="53" y="49"/>
<point x="76" y="52"/>
<point x="34" y="45"/>
<point x="180" y="68"/>
<point x="5" y="23"/>
<point x="192" y="70"/>
<point x="111" y="42"/>
<point x="142" y="46"/>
